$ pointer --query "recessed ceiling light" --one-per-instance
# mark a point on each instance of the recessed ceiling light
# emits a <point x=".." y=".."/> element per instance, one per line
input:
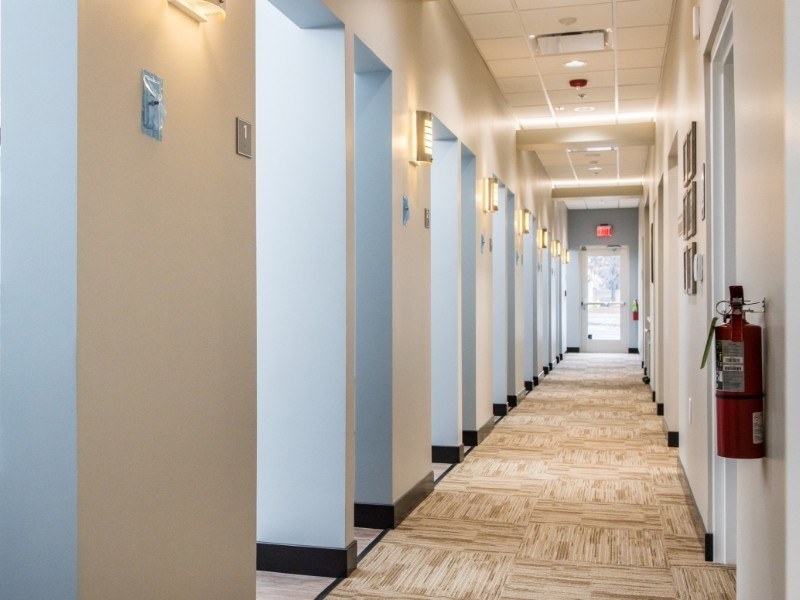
<point x="584" y="108"/>
<point x="574" y="64"/>
<point x="593" y="162"/>
<point x="558" y="108"/>
<point x="595" y="169"/>
<point x="567" y="21"/>
<point x="532" y="36"/>
<point x="599" y="148"/>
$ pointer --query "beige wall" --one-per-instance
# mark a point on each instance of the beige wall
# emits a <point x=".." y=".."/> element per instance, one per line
<point x="166" y="292"/>
<point x="761" y="261"/>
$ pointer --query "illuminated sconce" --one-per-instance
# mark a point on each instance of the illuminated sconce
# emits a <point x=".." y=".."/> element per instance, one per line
<point x="491" y="195"/>
<point x="423" y="152"/>
<point x="525" y="224"/>
<point x="542" y="238"/>
<point x="566" y="257"/>
<point x="555" y="248"/>
<point x="201" y="10"/>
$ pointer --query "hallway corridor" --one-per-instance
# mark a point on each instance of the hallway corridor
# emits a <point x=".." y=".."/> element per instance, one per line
<point x="575" y="495"/>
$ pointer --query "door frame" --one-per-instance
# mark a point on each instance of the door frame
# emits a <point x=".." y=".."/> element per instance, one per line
<point x="615" y="346"/>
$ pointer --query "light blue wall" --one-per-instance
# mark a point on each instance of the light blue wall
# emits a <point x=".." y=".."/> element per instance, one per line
<point x="582" y="227"/>
<point x="512" y="385"/>
<point x="301" y="257"/>
<point x="373" y="159"/>
<point x="499" y="303"/>
<point x="530" y="364"/>
<point x="544" y="334"/>
<point x="38" y="423"/>
<point x="469" y="281"/>
<point x="445" y="290"/>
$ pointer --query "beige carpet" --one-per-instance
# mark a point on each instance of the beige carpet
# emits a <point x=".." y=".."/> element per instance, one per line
<point x="574" y="496"/>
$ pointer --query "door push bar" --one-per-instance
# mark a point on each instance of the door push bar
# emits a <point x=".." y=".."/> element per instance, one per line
<point x="603" y="304"/>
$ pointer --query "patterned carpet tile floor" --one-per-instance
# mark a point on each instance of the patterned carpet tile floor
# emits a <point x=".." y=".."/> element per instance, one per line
<point x="574" y="496"/>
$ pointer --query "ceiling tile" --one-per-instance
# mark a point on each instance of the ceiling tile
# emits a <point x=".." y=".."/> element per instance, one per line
<point x="637" y="92"/>
<point x="556" y="158"/>
<point x="637" y="59"/>
<point x="472" y="7"/>
<point x="595" y="61"/>
<point x="649" y="75"/>
<point x="632" y="38"/>
<point x="599" y="109"/>
<point x="545" y="20"/>
<point x="527" y="99"/>
<point x="493" y="25"/>
<point x="598" y="203"/>
<point x="503" y="48"/>
<point x="587" y="159"/>
<point x="596" y="80"/>
<point x="511" y="85"/>
<point x="535" y="4"/>
<point x="637" y="105"/>
<point x="604" y="94"/>
<point x="637" y="13"/>
<point x="559" y="172"/>
<point x="532" y="112"/>
<point x="575" y="203"/>
<point x="512" y="67"/>
<point x="629" y="202"/>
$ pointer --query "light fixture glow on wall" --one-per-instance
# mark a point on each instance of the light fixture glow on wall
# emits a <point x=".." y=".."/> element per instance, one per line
<point x="542" y="238"/>
<point x="423" y="151"/>
<point x="201" y="10"/>
<point x="565" y="257"/>
<point x="491" y="195"/>
<point x="525" y="224"/>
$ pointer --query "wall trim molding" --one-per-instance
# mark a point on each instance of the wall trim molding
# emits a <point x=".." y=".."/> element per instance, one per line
<point x="389" y="516"/>
<point x="474" y="438"/>
<point x="672" y="439"/>
<point x="447" y="454"/>
<point x="500" y="410"/>
<point x="306" y="560"/>
<point x="660" y="409"/>
<point x="573" y="349"/>
<point x="633" y="351"/>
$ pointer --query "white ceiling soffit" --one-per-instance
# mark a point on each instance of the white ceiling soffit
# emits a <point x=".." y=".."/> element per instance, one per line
<point x="622" y="79"/>
<point x="601" y="202"/>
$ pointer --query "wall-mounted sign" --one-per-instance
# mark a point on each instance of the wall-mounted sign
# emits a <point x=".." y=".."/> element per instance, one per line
<point x="604" y="231"/>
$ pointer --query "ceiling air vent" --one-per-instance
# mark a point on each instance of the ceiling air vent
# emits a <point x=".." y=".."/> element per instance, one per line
<point x="573" y="42"/>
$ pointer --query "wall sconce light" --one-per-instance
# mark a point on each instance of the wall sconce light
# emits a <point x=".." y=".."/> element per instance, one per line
<point x="423" y="152"/>
<point x="566" y="257"/>
<point x="542" y="238"/>
<point x="491" y="195"/>
<point x="201" y="10"/>
<point x="525" y="224"/>
<point x="555" y="248"/>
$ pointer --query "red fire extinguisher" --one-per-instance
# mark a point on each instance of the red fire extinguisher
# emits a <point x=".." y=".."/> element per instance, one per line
<point x="635" y="309"/>
<point x="740" y="393"/>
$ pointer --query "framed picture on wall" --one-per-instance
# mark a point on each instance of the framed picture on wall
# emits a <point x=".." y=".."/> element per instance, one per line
<point x="681" y="229"/>
<point x="691" y="287"/>
<point x="690" y="205"/>
<point x="686" y="269"/>
<point x="690" y="154"/>
<point x="703" y="192"/>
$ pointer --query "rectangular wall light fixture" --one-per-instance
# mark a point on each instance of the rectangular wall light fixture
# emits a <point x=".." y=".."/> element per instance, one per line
<point x="201" y="10"/>
<point x="542" y="238"/>
<point x="423" y="151"/>
<point x="525" y="225"/>
<point x="491" y="195"/>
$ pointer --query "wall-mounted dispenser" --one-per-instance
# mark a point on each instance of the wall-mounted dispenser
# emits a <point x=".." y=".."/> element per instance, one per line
<point x="201" y="10"/>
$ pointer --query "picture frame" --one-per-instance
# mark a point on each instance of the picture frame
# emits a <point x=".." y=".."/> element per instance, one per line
<point x="681" y="227"/>
<point x="703" y="192"/>
<point x="690" y="155"/>
<point x="686" y="269"/>
<point x="691" y="287"/>
<point x="690" y="209"/>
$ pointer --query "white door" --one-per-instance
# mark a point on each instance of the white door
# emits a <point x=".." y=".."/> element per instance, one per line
<point x="604" y="307"/>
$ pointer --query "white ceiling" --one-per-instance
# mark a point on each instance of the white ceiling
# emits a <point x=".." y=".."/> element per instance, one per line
<point x="623" y="80"/>
<point x="600" y="202"/>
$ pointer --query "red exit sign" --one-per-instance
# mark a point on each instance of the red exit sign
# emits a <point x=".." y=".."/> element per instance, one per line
<point x="604" y="231"/>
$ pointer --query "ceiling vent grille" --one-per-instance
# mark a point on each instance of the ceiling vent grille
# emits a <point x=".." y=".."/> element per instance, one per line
<point x="573" y="42"/>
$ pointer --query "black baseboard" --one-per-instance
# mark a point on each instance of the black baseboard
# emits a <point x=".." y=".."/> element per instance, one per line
<point x="660" y="409"/>
<point x="389" y="516"/>
<point x="633" y="351"/>
<point x="645" y="370"/>
<point x="511" y="401"/>
<point x="546" y="370"/>
<point x="515" y="400"/>
<point x="672" y="439"/>
<point x="306" y="560"/>
<point x="529" y="386"/>
<point x="474" y="438"/>
<point x="709" y="547"/>
<point x="447" y="454"/>
<point x="500" y="410"/>
<point x="551" y="366"/>
<point x="535" y="380"/>
<point x="575" y="349"/>
<point x="561" y="356"/>
<point x="654" y="395"/>
<point x="558" y="358"/>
